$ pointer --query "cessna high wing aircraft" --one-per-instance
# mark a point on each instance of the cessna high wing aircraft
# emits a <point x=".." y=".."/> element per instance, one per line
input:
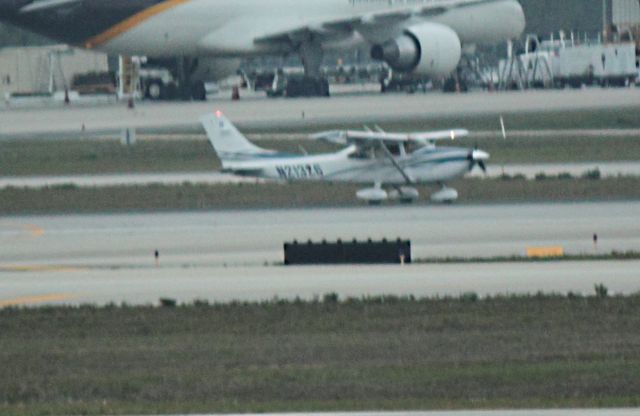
<point x="414" y="36"/>
<point x="397" y="162"/>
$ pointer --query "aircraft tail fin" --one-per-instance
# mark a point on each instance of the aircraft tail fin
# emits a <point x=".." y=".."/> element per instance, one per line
<point x="228" y="142"/>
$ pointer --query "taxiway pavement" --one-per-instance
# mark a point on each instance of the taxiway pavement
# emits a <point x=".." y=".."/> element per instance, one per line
<point x="224" y="255"/>
<point x="607" y="169"/>
<point x="124" y="179"/>
<point x="35" y="286"/>
<point x="256" y="236"/>
<point x="296" y="113"/>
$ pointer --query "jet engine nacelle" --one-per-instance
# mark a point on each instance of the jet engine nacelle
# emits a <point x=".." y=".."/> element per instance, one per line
<point x="428" y="49"/>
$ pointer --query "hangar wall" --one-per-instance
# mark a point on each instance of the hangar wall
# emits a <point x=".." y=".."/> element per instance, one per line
<point x="626" y="12"/>
<point x="546" y="16"/>
<point x="29" y="69"/>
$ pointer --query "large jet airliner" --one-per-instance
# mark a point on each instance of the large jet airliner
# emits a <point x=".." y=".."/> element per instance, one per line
<point x="414" y="36"/>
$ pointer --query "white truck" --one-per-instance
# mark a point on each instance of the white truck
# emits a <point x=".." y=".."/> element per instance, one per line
<point x="567" y="62"/>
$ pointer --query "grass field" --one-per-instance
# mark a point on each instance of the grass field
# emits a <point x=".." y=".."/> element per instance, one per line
<point x="379" y="353"/>
<point x="613" y="118"/>
<point x="94" y="156"/>
<point x="614" y="255"/>
<point x="297" y="195"/>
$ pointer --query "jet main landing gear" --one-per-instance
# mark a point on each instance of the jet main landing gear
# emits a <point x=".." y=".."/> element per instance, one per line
<point x="306" y="87"/>
<point x="313" y="83"/>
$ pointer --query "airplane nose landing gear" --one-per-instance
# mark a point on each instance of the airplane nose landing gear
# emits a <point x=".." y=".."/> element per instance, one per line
<point x="445" y="196"/>
<point x="377" y="195"/>
<point x="373" y="196"/>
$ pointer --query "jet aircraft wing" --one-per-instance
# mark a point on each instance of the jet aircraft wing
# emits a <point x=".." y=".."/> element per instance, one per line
<point x="37" y="6"/>
<point x="346" y="27"/>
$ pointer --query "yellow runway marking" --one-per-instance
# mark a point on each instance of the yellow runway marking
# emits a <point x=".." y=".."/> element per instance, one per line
<point x="34" y="230"/>
<point x="32" y="300"/>
<point x="545" y="252"/>
<point x="19" y="230"/>
<point x="40" y="268"/>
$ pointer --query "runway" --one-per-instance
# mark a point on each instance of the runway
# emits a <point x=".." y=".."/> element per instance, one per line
<point x="146" y="285"/>
<point x="296" y="113"/>
<point x="236" y="255"/>
<point x="607" y="169"/>
<point x="256" y="236"/>
<point x="123" y="179"/>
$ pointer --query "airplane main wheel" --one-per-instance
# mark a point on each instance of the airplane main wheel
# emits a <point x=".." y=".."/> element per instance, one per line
<point x="171" y="91"/>
<point x="324" y="87"/>
<point x="307" y="87"/>
<point x="155" y="90"/>
<point x="198" y="91"/>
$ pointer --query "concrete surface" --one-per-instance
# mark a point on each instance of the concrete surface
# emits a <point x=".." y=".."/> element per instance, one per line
<point x="223" y="255"/>
<point x="262" y="113"/>
<point x="214" y="178"/>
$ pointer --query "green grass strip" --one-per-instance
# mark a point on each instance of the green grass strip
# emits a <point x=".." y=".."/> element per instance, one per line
<point x="377" y="353"/>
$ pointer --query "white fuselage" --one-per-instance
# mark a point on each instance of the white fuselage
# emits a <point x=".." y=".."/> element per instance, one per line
<point x="229" y="28"/>
<point x="425" y="165"/>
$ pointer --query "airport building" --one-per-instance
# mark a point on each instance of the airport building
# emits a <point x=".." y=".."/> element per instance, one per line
<point x="45" y="68"/>
<point x="625" y="12"/>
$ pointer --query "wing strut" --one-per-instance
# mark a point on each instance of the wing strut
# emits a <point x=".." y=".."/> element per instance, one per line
<point x="395" y="163"/>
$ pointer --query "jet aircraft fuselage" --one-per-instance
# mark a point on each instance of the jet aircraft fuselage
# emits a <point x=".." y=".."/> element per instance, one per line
<point x="162" y="28"/>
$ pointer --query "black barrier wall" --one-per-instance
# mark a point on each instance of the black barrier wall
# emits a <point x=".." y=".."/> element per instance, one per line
<point x="351" y="252"/>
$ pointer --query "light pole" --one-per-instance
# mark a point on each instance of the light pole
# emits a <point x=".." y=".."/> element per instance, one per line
<point x="605" y="29"/>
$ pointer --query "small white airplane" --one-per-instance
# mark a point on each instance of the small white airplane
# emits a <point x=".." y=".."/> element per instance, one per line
<point x="396" y="161"/>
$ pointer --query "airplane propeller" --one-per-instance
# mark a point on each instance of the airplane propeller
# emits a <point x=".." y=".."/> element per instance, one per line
<point x="478" y="157"/>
